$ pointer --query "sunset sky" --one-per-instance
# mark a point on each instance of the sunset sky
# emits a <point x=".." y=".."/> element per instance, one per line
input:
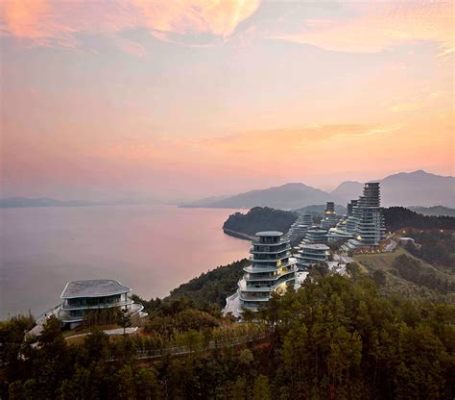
<point x="182" y="99"/>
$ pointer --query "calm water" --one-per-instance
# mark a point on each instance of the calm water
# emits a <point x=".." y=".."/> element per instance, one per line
<point x="151" y="249"/>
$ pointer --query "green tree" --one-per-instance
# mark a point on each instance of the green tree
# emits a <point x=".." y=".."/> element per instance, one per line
<point x="126" y="383"/>
<point x="261" y="389"/>
<point x="238" y="391"/>
<point x="16" y="391"/>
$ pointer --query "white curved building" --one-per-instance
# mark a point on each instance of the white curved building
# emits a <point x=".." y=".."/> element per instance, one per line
<point x="299" y="228"/>
<point x="272" y="269"/>
<point x="81" y="297"/>
<point x="316" y="235"/>
<point x="311" y="254"/>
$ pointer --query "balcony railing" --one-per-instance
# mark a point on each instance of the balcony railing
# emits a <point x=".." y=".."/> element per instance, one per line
<point x="124" y="303"/>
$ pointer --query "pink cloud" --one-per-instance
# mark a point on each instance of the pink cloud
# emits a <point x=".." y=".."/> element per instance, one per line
<point x="379" y="25"/>
<point x="49" y="22"/>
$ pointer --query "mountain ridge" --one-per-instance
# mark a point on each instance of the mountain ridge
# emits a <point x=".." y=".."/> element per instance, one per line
<point x="417" y="188"/>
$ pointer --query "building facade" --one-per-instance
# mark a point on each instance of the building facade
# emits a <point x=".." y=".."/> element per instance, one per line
<point x="299" y="228"/>
<point x="272" y="269"/>
<point x="311" y="254"/>
<point x="329" y="218"/>
<point x="81" y="297"/>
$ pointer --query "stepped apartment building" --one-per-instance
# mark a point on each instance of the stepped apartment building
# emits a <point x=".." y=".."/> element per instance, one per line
<point x="299" y="228"/>
<point x="365" y="220"/>
<point x="272" y="269"/>
<point x="311" y="254"/>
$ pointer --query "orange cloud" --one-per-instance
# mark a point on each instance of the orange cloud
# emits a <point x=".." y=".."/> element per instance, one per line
<point x="25" y="18"/>
<point x="379" y="26"/>
<point x="196" y="16"/>
<point x="48" y="21"/>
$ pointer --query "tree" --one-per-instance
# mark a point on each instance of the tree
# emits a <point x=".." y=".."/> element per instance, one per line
<point x="379" y="277"/>
<point x="238" y="391"/>
<point x="147" y="387"/>
<point x="16" y="391"/>
<point x="124" y="320"/>
<point x="261" y="389"/>
<point x="126" y="383"/>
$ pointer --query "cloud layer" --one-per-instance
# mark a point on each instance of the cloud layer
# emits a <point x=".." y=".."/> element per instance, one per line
<point x="50" y="22"/>
<point x="378" y="26"/>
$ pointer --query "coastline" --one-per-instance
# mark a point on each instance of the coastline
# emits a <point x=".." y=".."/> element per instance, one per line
<point x="238" y="235"/>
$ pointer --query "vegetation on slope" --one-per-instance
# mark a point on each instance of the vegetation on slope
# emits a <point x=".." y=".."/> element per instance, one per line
<point x="208" y="289"/>
<point x="336" y="338"/>
<point x="265" y="218"/>
<point x="437" y="248"/>
<point x="402" y="273"/>
<point x="399" y="217"/>
<point x="434" y="210"/>
<point x="260" y="219"/>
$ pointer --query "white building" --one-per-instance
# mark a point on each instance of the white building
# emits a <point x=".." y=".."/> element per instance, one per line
<point x="311" y="254"/>
<point x="272" y="269"/>
<point x="81" y="297"/>
<point x="316" y="235"/>
<point x="299" y="228"/>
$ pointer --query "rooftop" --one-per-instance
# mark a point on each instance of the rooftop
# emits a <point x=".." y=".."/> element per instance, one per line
<point x="269" y="233"/>
<point x="93" y="288"/>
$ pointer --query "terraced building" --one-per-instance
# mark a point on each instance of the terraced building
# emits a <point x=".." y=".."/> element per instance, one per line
<point x="272" y="269"/>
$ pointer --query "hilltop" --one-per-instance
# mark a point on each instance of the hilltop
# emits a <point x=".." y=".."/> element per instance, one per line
<point x="436" y="211"/>
<point x="418" y="188"/>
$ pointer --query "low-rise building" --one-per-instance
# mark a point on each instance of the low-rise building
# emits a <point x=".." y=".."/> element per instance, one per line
<point x="311" y="254"/>
<point x="82" y="297"/>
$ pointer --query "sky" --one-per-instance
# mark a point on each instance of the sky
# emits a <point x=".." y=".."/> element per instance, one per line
<point x="182" y="99"/>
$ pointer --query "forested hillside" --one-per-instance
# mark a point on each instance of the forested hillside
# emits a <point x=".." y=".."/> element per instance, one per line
<point x="265" y="218"/>
<point x="336" y="338"/>
<point x="400" y="217"/>
<point x="260" y="219"/>
<point x="209" y="288"/>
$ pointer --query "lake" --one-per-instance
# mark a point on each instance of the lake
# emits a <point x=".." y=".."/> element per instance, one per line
<point x="151" y="249"/>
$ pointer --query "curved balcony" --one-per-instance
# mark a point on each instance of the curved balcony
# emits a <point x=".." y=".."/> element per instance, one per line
<point x="243" y="297"/>
<point x="124" y="303"/>
<point x="269" y="286"/>
<point x="270" y="261"/>
<point x="268" y="251"/>
<point x="254" y="278"/>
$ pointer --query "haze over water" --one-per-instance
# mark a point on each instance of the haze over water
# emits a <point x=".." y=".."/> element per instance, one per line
<point x="152" y="249"/>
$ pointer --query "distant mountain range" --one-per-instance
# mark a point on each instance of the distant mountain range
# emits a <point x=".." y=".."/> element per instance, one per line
<point x="287" y="197"/>
<point x="28" y="202"/>
<point x="23" y="202"/>
<point x="418" y="188"/>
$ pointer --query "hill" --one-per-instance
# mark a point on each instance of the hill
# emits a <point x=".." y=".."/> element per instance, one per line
<point x="259" y="219"/>
<point x="335" y="338"/>
<point x="348" y="191"/>
<point x="435" y="211"/>
<point x="418" y="188"/>
<point x="211" y="287"/>
<point x="400" y="273"/>
<point x="400" y="217"/>
<point x="287" y="197"/>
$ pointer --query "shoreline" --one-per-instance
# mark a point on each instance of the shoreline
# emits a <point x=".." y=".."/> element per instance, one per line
<point x="238" y="235"/>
